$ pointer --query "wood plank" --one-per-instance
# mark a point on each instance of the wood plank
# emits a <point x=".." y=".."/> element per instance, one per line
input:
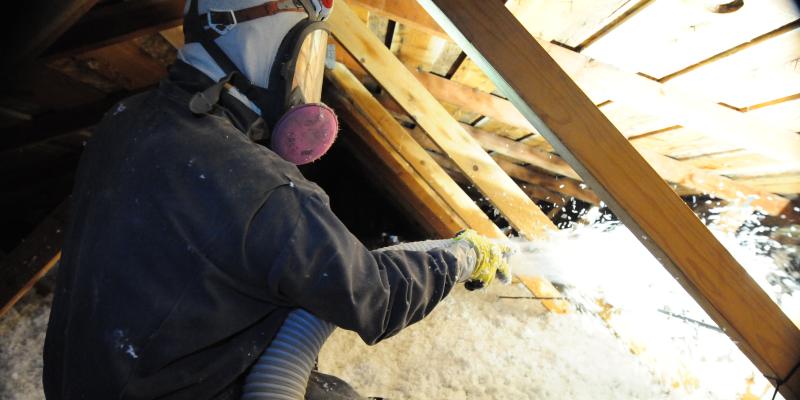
<point x="786" y="184"/>
<point x="399" y="141"/>
<point x="632" y="123"/>
<point x="489" y="178"/>
<point x="785" y="113"/>
<point x="35" y="26"/>
<point x="116" y="23"/>
<point x="668" y="36"/>
<point x="760" y="73"/>
<point x="31" y="260"/>
<point x="623" y="179"/>
<point x="681" y="143"/>
<point x="740" y="164"/>
<point x="310" y="68"/>
<point x="567" y="22"/>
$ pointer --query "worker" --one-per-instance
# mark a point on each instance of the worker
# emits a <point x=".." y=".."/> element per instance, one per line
<point x="190" y="241"/>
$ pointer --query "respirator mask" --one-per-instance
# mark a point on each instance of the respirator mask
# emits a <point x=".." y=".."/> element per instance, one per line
<point x="301" y="127"/>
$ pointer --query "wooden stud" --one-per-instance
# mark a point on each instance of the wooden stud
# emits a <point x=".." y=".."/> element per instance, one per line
<point x="509" y="199"/>
<point x="368" y="112"/>
<point x="523" y="71"/>
<point x="31" y="260"/>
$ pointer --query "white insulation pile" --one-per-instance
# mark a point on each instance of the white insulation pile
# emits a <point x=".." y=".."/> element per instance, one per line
<point x="652" y="342"/>
<point x="633" y="333"/>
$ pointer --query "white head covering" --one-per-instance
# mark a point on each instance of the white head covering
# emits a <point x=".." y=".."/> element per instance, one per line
<point x="251" y="45"/>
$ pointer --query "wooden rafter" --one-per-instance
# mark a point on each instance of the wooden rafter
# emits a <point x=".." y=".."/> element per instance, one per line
<point x="522" y="70"/>
<point x="31" y="260"/>
<point x="443" y="129"/>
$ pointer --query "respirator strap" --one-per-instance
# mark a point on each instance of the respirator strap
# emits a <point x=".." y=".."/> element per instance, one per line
<point x="196" y="32"/>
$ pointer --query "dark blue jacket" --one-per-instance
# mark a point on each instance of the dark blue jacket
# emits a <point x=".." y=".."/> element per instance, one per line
<point x="188" y="245"/>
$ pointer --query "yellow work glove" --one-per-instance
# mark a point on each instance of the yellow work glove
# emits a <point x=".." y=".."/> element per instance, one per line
<point x="491" y="260"/>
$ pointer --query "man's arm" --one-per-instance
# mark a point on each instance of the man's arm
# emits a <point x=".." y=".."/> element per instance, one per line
<point x="324" y="269"/>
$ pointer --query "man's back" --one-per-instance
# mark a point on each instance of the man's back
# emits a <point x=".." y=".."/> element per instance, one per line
<point x="153" y="276"/>
<point x="188" y="246"/>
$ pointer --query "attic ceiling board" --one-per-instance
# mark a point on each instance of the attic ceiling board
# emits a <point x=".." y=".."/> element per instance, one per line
<point x="632" y="123"/>
<point x="767" y="71"/>
<point x="669" y="35"/>
<point x="682" y="143"/>
<point x="568" y="22"/>
<point x="421" y="51"/>
<point x="783" y="184"/>
<point x="740" y="163"/>
<point x="786" y="113"/>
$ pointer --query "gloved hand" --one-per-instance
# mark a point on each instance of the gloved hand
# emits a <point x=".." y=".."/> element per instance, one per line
<point x="490" y="260"/>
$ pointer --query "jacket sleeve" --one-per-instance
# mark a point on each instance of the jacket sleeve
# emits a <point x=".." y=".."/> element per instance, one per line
<point x="324" y="269"/>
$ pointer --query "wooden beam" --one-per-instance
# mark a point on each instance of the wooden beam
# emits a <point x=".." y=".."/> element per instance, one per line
<point x="443" y="129"/>
<point x="116" y="23"/>
<point x="36" y="26"/>
<point x="524" y="72"/>
<point x="392" y="141"/>
<point x="31" y="260"/>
